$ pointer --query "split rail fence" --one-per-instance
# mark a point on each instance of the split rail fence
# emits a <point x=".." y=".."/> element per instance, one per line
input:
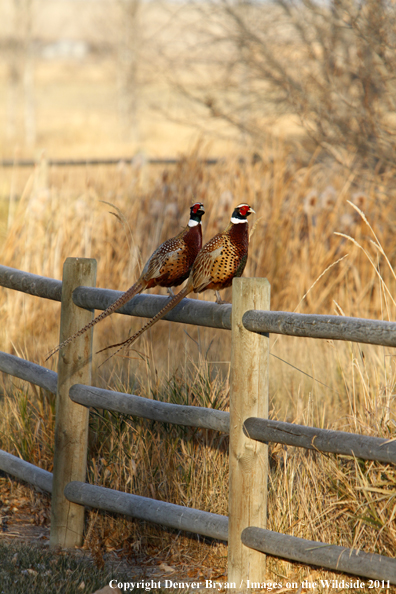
<point x="250" y="321"/>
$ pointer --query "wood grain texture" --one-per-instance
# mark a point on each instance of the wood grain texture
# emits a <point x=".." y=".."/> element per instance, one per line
<point x="71" y="425"/>
<point x="93" y="161"/>
<point x="31" y="372"/>
<point x="25" y="471"/>
<point x="201" y="313"/>
<point x="323" y="440"/>
<point x="189" y="311"/>
<point x="129" y="404"/>
<point x="33" y="284"/>
<point x="248" y="458"/>
<point x="319" y="326"/>
<point x="151" y="510"/>
<point x="368" y="565"/>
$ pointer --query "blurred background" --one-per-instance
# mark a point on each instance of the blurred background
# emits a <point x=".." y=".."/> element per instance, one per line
<point x="295" y="101"/>
<point x="97" y="77"/>
<point x="101" y="77"/>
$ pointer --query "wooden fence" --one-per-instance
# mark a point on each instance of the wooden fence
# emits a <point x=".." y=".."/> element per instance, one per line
<point x="93" y="161"/>
<point x="250" y="322"/>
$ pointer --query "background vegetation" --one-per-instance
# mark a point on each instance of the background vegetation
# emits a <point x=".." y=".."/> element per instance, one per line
<point x="323" y="236"/>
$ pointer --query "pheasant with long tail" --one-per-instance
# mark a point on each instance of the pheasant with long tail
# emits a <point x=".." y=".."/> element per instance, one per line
<point x="218" y="262"/>
<point x="169" y="266"/>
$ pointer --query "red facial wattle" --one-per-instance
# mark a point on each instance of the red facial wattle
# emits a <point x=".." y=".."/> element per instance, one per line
<point x="244" y="210"/>
<point x="196" y="207"/>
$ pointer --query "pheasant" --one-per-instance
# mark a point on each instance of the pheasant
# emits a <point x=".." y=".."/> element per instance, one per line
<point x="218" y="262"/>
<point x="169" y="266"/>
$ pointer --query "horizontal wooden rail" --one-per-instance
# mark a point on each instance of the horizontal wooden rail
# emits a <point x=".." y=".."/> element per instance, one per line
<point x="338" y="442"/>
<point x="104" y="161"/>
<point x="208" y="314"/>
<point x="151" y="510"/>
<point x="144" y="508"/>
<point x="189" y="311"/>
<point x="129" y="404"/>
<point x="208" y="524"/>
<point x="320" y="326"/>
<point x="323" y="440"/>
<point x="33" y="284"/>
<point x="25" y="471"/>
<point x="319" y="553"/>
<point x="25" y="370"/>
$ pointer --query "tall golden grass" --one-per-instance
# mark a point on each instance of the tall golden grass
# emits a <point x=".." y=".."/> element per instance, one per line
<point x="119" y="216"/>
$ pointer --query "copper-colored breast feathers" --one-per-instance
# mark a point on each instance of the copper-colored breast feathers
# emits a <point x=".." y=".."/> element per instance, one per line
<point x="170" y="264"/>
<point x="222" y="258"/>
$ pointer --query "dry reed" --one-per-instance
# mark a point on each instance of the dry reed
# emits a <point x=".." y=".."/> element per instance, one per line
<point x="119" y="216"/>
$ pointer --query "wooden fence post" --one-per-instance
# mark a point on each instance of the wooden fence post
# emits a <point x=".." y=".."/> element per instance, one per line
<point x="71" y="425"/>
<point x="248" y="458"/>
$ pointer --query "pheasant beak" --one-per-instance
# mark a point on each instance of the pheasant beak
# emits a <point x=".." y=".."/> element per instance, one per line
<point x="250" y="211"/>
<point x="197" y="207"/>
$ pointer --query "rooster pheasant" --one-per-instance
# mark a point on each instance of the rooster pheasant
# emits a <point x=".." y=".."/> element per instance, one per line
<point x="218" y="262"/>
<point x="169" y="266"/>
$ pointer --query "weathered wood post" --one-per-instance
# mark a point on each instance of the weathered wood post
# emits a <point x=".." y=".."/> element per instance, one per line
<point x="248" y="458"/>
<point x="71" y="425"/>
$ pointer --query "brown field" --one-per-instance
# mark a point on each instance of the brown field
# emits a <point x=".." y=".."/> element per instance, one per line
<point x="119" y="215"/>
<point x="77" y="99"/>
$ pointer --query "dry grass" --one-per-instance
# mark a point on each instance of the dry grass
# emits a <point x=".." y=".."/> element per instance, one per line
<point x="119" y="216"/>
<point x="25" y="568"/>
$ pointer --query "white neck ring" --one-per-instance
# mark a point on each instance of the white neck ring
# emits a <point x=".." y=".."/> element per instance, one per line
<point x="237" y="221"/>
<point x="192" y="223"/>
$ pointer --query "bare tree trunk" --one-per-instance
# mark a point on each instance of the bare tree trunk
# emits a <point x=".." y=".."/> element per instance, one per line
<point x="331" y="64"/>
<point x="21" y="75"/>
<point x="12" y="94"/>
<point x="28" y="76"/>
<point x="128" y="60"/>
<point x="14" y="73"/>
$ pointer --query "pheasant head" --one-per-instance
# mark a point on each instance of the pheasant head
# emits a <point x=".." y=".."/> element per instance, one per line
<point x="197" y="211"/>
<point x="241" y="213"/>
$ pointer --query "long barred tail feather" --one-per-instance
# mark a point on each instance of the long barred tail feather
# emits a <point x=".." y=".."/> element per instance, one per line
<point x="125" y="297"/>
<point x="170" y="305"/>
<point x="113" y="354"/>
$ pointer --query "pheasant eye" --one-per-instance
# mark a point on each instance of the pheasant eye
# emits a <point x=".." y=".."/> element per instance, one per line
<point x="243" y="210"/>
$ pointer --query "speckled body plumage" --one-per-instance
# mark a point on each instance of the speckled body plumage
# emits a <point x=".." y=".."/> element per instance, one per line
<point x="218" y="262"/>
<point x="168" y="266"/>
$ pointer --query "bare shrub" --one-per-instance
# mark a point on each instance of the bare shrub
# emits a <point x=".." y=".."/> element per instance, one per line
<point x="331" y="64"/>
